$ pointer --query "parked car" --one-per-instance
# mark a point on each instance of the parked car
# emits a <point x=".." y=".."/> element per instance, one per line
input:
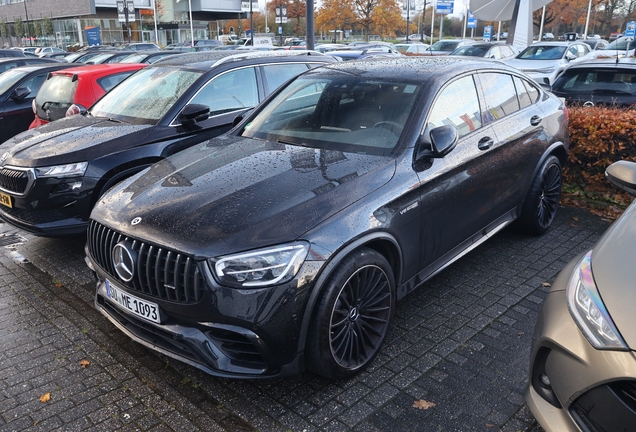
<point x="416" y="49"/>
<point x="596" y="44"/>
<point x="186" y="46"/>
<point x="544" y="61"/>
<point x="139" y="46"/>
<point x="583" y="370"/>
<point x="4" y="53"/>
<point x="47" y="51"/>
<point x="325" y="48"/>
<point x="18" y="87"/>
<point x="283" y="245"/>
<point x="71" y="91"/>
<point x="493" y="50"/>
<point x="148" y="57"/>
<point x="599" y="82"/>
<point x="108" y="57"/>
<point x="446" y="46"/>
<point x="619" y="48"/>
<point x="13" y="62"/>
<point x="158" y="111"/>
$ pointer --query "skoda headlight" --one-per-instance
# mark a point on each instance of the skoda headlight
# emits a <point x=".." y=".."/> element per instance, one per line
<point x="260" y="268"/>
<point x="70" y="170"/>
<point x="588" y="311"/>
<point x="545" y="70"/>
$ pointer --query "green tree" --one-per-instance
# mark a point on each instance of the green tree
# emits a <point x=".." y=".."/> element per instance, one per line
<point x="19" y="27"/>
<point x="3" y="29"/>
<point x="47" y="27"/>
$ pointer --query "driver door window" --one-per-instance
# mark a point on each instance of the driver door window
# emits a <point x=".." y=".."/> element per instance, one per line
<point x="232" y="91"/>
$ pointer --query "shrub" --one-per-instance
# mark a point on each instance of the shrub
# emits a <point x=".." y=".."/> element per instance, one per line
<point x="599" y="136"/>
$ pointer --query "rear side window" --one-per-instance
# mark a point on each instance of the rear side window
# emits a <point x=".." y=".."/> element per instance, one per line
<point x="110" y="81"/>
<point x="34" y="84"/>
<point x="59" y="88"/>
<point x="277" y="75"/>
<point x="500" y="96"/>
<point x="522" y="92"/>
<point x="457" y="105"/>
<point x="7" y="65"/>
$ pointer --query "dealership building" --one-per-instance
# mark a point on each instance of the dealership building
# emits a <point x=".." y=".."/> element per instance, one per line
<point x="72" y="19"/>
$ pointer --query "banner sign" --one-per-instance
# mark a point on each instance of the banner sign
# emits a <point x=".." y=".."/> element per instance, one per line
<point x="444" y="7"/>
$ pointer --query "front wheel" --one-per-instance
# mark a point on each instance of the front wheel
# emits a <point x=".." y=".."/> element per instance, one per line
<point x="541" y="205"/>
<point x="352" y="317"/>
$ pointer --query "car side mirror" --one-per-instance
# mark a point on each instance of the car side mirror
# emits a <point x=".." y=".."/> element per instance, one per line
<point x="569" y="56"/>
<point x="443" y="140"/>
<point x="193" y="113"/>
<point x="20" y="93"/>
<point x="622" y="174"/>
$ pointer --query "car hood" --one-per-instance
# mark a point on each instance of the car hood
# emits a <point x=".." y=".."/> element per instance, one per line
<point x="232" y="194"/>
<point x="71" y="139"/>
<point x="615" y="273"/>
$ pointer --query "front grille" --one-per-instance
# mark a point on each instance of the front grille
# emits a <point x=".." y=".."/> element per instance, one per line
<point x="608" y="407"/>
<point x="159" y="272"/>
<point x="14" y="180"/>
<point x="35" y="217"/>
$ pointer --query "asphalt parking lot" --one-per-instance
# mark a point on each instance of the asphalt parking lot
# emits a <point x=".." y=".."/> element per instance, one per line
<point x="458" y="350"/>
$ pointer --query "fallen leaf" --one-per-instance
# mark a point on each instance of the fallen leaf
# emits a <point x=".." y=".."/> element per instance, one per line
<point x="575" y="218"/>
<point x="546" y="284"/>
<point x="422" y="404"/>
<point x="36" y="423"/>
<point x="490" y="425"/>
<point x="84" y="363"/>
<point x="45" y="397"/>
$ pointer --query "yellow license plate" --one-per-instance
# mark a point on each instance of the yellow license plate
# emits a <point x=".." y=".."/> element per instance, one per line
<point x="5" y="200"/>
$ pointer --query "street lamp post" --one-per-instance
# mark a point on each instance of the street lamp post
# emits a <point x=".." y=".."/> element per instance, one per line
<point x="26" y="14"/>
<point x="408" y="10"/>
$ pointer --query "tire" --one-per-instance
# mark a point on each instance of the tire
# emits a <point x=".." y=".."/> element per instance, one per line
<point x="540" y="207"/>
<point x="352" y="316"/>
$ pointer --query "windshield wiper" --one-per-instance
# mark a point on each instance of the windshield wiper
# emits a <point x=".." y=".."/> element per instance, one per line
<point x="280" y="141"/>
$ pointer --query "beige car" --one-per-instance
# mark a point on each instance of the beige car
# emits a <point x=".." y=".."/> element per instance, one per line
<point x="583" y="365"/>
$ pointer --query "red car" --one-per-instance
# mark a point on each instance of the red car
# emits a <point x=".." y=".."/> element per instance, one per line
<point x="71" y="91"/>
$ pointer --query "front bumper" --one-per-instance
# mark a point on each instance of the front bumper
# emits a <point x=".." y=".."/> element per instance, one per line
<point x="594" y="389"/>
<point x="52" y="207"/>
<point x="229" y="332"/>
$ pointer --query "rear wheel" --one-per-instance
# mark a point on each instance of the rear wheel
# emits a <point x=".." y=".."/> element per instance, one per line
<point x="541" y="205"/>
<point x="352" y="317"/>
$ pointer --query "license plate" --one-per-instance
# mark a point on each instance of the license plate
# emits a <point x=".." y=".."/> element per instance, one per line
<point x="133" y="304"/>
<point x="5" y="200"/>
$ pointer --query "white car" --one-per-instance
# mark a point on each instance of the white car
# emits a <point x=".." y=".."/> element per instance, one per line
<point x="544" y="61"/>
<point x="621" y="47"/>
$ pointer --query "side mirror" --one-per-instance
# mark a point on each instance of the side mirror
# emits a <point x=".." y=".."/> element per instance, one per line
<point x="443" y="140"/>
<point x="194" y="113"/>
<point x="569" y="56"/>
<point x="20" y="93"/>
<point x="622" y="174"/>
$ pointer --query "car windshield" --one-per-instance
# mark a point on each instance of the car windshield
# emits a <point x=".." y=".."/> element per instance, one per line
<point x="471" y="50"/>
<point x="134" y="58"/>
<point x="146" y="96"/>
<point x="443" y="46"/>
<point x="543" y="52"/>
<point x="9" y="78"/>
<point x="597" y="81"/>
<point x="347" y="113"/>
<point x="621" y="44"/>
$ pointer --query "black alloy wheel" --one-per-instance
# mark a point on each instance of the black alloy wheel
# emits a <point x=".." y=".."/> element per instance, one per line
<point x="541" y="205"/>
<point x="352" y="317"/>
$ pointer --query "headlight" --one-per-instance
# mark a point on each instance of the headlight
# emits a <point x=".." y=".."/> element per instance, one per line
<point x="260" y="268"/>
<point x="544" y="70"/>
<point x="70" y="170"/>
<point x="588" y="311"/>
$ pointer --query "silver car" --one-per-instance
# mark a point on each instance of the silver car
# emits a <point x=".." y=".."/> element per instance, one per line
<point x="583" y="365"/>
<point x="544" y="61"/>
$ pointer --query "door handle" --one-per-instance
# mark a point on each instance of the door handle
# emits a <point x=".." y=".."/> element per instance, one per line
<point x="485" y="143"/>
<point x="535" y="120"/>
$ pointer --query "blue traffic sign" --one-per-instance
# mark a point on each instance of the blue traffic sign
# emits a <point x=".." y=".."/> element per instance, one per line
<point x="487" y="33"/>
<point x="444" y="7"/>
<point x="471" y="22"/>
<point x="630" y="30"/>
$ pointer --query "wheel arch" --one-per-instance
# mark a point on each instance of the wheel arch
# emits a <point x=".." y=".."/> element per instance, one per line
<point x="118" y="174"/>
<point x="557" y="149"/>
<point x="382" y="242"/>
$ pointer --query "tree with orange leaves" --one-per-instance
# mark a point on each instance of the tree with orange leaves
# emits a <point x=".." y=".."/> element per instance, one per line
<point x="335" y="15"/>
<point x="387" y="18"/>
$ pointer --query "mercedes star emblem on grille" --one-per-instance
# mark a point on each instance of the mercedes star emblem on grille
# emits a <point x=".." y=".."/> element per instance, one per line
<point x="124" y="261"/>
